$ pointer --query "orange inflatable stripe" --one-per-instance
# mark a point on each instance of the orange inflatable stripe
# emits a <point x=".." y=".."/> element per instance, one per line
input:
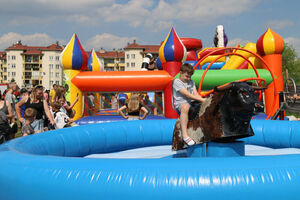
<point x="122" y="81"/>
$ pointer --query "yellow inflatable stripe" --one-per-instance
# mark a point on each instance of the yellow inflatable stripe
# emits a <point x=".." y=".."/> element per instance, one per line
<point x="73" y="91"/>
<point x="269" y="43"/>
<point x="68" y="54"/>
<point x="96" y="63"/>
<point x="211" y="58"/>
<point x="161" y="49"/>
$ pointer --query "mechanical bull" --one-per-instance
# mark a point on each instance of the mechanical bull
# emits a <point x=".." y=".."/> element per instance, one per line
<point x="223" y="117"/>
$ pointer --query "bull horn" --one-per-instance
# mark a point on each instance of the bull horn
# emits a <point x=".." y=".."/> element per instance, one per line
<point x="225" y="87"/>
<point x="258" y="88"/>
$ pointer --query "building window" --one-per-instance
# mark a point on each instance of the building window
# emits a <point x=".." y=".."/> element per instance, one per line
<point x="13" y="57"/>
<point x="13" y="74"/>
<point x="127" y="64"/>
<point x="8" y="74"/>
<point x="36" y="58"/>
<point x="57" y="58"/>
<point x="8" y="57"/>
<point x="133" y="56"/>
<point x="57" y="66"/>
<point x="51" y="82"/>
<point x="57" y="82"/>
<point x="13" y="66"/>
<point x="51" y="74"/>
<point x="57" y="74"/>
<point x="27" y="58"/>
<point x="128" y="56"/>
<point x="109" y="69"/>
<point x="133" y="64"/>
<point x="51" y="66"/>
<point x="50" y="57"/>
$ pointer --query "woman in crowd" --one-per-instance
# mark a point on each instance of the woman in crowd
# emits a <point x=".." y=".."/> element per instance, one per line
<point x="6" y="132"/>
<point x="60" y="96"/>
<point x="36" y="100"/>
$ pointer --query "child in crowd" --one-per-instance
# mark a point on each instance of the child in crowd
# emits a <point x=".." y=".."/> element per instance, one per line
<point x="133" y="107"/>
<point x="29" y="116"/>
<point x="185" y="92"/>
<point x="60" y="93"/>
<point x="23" y="95"/>
<point x="61" y="119"/>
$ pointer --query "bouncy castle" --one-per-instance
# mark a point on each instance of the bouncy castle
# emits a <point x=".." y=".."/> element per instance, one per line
<point x="133" y="159"/>
<point x="262" y="60"/>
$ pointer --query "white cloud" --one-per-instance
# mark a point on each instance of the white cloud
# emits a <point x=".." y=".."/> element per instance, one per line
<point x="160" y="16"/>
<point x="198" y="12"/>
<point x="280" y="24"/>
<point x="151" y="14"/>
<point x="236" y="41"/>
<point x="201" y="10"/>
<point x="36" y="39"/>
<point x="135" y="12"/>
<point x="22" y="20"/>
<point x="58" y="5"/>
<point x="107" y="41"/>
<point x="295" y="42"/>
<point x="81" y="19"/>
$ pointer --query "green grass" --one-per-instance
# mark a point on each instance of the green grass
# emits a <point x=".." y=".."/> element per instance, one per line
<point x="18" y="134"/>
<point x="293" y="113"/>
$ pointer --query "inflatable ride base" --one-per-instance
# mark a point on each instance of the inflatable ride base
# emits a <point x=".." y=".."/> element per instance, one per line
<point x="216" y="149"/>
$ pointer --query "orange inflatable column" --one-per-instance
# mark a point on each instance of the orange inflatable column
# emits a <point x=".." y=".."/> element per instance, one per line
<point x="270" y="46"/>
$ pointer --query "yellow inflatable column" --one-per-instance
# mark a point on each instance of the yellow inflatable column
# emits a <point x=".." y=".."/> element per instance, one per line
<point x="235" y="61"/>
<point x="73" y="91"/>
<point x="97" y="101"/>
<point x="256" y="62"/>
<point x="73" y="59"/>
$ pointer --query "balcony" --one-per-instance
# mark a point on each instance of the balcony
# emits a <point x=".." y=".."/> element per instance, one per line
<point x="36" y="59"/>
<point x="109" y="64"/>
<point x="28" y="59"/>
<point x="35" y="77"/>
<point x="32" y="59"/>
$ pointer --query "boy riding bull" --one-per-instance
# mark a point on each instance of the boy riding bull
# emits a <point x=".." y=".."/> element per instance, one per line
<point x="185" y="92"/>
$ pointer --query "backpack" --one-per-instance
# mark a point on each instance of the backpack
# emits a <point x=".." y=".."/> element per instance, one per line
<point x="3" y="118"/>
<point x="4" y="127"/>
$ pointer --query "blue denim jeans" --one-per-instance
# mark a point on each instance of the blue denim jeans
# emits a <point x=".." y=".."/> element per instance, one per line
<point x="38" y="124"/>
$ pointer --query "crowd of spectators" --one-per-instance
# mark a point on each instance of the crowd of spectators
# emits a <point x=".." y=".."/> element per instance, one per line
<point x="29" y="111"/>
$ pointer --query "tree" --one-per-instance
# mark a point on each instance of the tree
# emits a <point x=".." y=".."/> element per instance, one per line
<point x="291" y="62"/>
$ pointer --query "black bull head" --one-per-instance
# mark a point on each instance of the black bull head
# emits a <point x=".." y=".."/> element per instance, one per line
<point x="223" y="117"/>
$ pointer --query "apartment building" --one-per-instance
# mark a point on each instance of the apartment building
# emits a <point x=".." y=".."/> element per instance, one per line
<point x="34" y="65"/>
<point x="135" y="53"/>
<point x="112" y="60"/>
<point x="3" y="69"/>
<point x="39" y="65"/>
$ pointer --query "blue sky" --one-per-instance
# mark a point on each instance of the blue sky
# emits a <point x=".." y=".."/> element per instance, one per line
<point x="112" y="23"/>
